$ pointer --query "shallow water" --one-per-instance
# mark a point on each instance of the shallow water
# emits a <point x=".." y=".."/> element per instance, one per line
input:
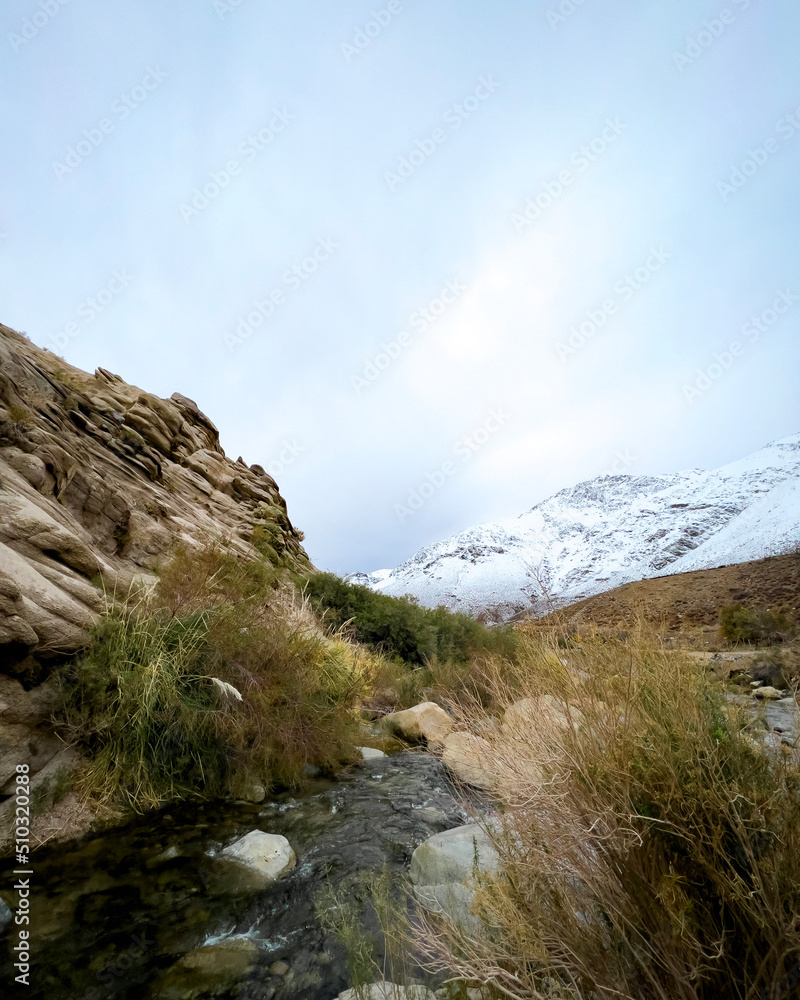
<point x="112" y="914"/>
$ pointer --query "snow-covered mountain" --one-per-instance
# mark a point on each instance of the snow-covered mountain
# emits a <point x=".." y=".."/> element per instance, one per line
<point x="609" y="531"/>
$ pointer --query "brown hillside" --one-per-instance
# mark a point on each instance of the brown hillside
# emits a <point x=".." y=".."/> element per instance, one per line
<point x="686" y="606"/>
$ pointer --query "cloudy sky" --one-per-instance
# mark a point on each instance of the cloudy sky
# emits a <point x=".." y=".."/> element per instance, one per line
<point x="428" y="262"/>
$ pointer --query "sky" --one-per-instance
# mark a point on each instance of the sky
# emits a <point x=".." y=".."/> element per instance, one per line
<point x="427" y="263"/>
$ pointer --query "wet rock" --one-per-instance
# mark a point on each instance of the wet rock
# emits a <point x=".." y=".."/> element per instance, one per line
<point x="278" y="969"/>
<point x="5" y="915"/>
<point x="206" y="969"/>
<point x="426" y="721"/>
<point x="783" y="717"/>
<point x="264" y="856"/>
<point x="370" y="753"/>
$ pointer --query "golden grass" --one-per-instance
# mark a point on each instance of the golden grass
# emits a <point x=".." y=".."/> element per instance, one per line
<point x="650" y="848"/>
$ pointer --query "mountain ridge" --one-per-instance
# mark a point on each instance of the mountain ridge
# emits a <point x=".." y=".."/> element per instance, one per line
<point x="601" y="533"/>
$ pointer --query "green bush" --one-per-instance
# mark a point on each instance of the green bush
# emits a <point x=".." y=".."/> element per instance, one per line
<point x="400" y="627"/>
<point x="738" y="623"/>
<point x="215" y="682"/>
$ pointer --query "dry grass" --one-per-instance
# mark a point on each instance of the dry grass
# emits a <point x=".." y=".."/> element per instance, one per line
<point x="649" y="847"/>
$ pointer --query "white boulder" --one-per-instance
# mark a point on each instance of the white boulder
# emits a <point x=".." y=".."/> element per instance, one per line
<point x="264" y="857"/>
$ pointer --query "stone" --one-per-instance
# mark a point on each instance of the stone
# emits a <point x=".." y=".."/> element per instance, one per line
<point x="387" y="991"/>
<point x="265" y="856"/>
<point x="545" y="710"/>
<point x="444" y="864"/>
<point x="5" y="915"/>
<point x="426" y="721"/>
<point x="210" y="968"/>
<point x="255" y="793"/>
<point x="783" y="717"/>
<point x="370" y="753"/>
<point x="278" y="969"/>
<point x="768" y="694"/>
<point x="469" y="758"/>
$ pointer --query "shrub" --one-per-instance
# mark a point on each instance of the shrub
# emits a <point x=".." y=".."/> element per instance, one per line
<point x="649" y="849"/>
<point x="215" y="681"/>
<point x="738" y="623"/>
<point x="400" y="627"/>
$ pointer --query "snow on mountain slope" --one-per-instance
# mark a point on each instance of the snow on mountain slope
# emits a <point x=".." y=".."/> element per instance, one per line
<point x="600" y="534"/>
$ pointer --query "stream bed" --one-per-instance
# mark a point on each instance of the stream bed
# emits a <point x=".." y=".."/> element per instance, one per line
<point x="120" y="915"/>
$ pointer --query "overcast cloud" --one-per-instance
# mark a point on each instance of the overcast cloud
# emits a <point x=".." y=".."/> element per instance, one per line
<point x="492" y="247"/>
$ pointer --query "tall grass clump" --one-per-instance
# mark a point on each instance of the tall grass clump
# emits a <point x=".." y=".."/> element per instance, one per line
<point x="649" y="844"/>
<point x="215" y="681"/>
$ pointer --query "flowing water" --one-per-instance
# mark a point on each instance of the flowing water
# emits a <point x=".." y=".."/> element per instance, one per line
<point x="122" y="914"/>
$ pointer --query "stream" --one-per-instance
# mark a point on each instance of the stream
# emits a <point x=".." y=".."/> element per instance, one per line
<point x="116" y="916"/>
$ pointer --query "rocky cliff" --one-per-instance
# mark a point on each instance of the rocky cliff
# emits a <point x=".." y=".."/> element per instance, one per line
<point x="99" y="481"/>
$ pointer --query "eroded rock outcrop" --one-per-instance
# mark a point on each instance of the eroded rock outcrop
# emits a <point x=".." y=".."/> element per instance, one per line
<point x="99" y="481"/>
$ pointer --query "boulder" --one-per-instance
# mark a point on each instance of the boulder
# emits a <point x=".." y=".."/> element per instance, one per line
<point x="263" y="856"/>
<point x="783" y="717"/>
<point x="388" y="991"/>
<point x="768" y="694"/>
<point x="206" y="970"/>
<point x="469" y="758"/>
<point x="370" y="753"/>
<point x="545" y="710"/>
<point x="442" y="867"/>
<point x="426" y="721"/>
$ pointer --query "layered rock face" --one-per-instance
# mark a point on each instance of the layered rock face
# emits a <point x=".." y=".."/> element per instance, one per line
<point x="99" y="481"/>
